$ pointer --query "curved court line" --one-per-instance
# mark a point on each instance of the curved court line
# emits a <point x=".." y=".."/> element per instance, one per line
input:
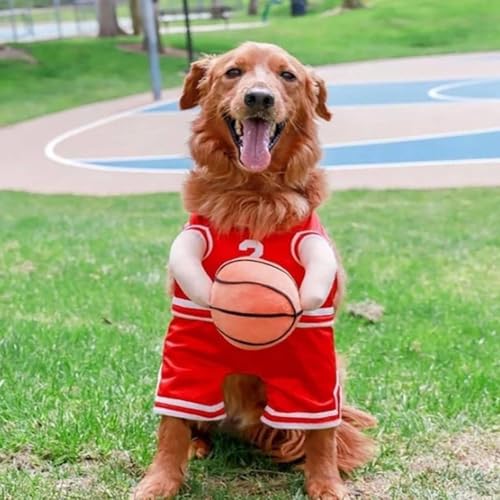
<point x="434" y="95"/>
<point x="49" y="149"/>
<point x="335" y="168"/>
<point x="367" y="147"/>
<point x="419" y="137"/>
<point x="438" y="92"/>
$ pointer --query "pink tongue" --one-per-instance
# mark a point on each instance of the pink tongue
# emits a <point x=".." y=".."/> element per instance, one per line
<point x="255" y="154"/>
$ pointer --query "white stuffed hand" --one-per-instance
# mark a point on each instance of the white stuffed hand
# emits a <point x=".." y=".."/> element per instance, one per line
<point x="185" y="266"/>
<point x="320" y="264"/>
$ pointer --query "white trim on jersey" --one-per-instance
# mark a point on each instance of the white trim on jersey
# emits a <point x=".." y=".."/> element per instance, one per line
<point x="178" y="314"/>
<point x="314" y="325"/>
<point x="299" y="414"/>
<point x="296" y="237"/>
<point x="323" y="311"/>
<point x="300" y="425"/>
<point x="189" y="304"/>
<point x="206" y="234"/>
<point x="189" y="416"/>
<point x="189" y="404"/>
<point x="177" y="301"/>
<point x="207" y="319"/>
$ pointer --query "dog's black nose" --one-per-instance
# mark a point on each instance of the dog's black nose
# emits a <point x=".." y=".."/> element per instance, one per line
<point x="259" y="99"/>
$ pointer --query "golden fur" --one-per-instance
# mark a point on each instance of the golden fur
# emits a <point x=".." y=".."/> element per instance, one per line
<point x="220" y="189"/>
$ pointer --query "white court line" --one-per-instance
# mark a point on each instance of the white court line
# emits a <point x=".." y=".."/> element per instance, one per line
<point x="360" y="166"/>
<point x="439" y="94"/>
<point x="409" y="138"/>
<point x="134" y="158"/>
<point x="50" y="153"/>
<point x="331" y="168"/>
<point x="49" y="149"/>
<point x="404" y="138"/>
<point x="437" y="163"/>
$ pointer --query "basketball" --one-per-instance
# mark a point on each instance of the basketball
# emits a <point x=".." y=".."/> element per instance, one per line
<point x="254" y="303"/>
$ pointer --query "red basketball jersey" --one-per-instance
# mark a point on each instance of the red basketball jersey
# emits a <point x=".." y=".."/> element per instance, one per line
<point x="300" y="373"/>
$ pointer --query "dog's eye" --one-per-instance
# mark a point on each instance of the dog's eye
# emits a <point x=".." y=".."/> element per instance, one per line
<point x="289" y="77"/>
<point x="233" y="72"/>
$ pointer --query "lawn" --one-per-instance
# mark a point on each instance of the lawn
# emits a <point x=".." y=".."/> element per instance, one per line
<point x="70" y="73"/>
<point x="83" y="313"/>
<point x="73" y="72"/>
<point x="388" y="28"/>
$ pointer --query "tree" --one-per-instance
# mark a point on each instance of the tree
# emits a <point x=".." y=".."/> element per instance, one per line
<point x="135" y="14"/>
<point x="106" y="17"/>
<point x="253" y="7"/>
<point x="352" y="4"/>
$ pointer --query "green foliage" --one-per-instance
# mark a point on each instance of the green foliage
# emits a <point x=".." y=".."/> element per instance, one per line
<point x="70" y="73"/>
<point x="74" y="72"/>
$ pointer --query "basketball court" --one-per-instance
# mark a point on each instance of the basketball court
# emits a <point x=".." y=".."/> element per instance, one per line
<point x="414" y="122"/>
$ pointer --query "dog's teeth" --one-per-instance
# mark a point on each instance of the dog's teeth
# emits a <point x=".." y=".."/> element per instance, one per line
<point x="237" y="127"/>
<point x="273" y="129"/>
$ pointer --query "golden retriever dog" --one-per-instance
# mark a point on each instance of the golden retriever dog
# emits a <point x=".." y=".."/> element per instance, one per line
<point x="267" y="187"/>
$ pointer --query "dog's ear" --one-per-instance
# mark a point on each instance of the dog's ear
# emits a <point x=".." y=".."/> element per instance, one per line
<point x="194" y="82"/>
<point x="320" y="92"/>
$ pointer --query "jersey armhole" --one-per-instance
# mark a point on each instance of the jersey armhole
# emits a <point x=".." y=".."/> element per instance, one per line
<point x="298" y="239"/>
<point x="205" y="234"/>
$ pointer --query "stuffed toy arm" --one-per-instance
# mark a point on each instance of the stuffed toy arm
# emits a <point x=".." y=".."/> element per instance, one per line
<point x="318" y="259"/>
<point x="186" y="254"/>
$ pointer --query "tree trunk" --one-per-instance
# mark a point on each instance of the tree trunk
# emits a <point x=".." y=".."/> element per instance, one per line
<point x="352" y="4"/>
<point x="106" y="17"/>
<point x="135" y="14"/>
<point x="253" y="7"/>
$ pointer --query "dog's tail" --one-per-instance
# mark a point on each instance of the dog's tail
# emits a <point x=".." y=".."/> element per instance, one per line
<point x="354" y="448"/>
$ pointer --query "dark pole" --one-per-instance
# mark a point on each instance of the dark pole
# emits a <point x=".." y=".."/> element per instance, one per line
<point x="189" y="42"/>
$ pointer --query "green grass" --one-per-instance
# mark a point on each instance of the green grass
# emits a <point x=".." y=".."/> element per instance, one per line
<point x="74" y="72"/>
<point x="388" y="28"/>
<point x="83" y="313"/>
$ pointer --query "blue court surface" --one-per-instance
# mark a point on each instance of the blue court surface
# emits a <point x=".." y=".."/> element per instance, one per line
<point x="477" y="146"/>
<point x="387" y="93"/>
<point x="482" y="146"/>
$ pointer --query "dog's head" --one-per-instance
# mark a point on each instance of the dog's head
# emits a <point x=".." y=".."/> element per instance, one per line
<point x="258" y="105"/>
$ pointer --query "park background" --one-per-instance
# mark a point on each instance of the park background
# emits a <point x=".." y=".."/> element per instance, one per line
<point x="82" y="306"/>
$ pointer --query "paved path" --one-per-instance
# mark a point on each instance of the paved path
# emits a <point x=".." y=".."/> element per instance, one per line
<point x="415" y="122"/>
<point x="48" y="30"/>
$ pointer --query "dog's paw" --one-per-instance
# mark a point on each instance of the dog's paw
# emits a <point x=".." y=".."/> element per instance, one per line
<point x="199" y="448"/>
<point x="156" y="486"/>
<point x="326" y="489"/>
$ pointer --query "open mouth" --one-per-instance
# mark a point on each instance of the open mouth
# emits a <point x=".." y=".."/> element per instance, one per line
<point x="255" y="138"/>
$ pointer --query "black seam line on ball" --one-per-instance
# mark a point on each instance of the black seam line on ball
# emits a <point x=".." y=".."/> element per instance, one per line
<point x="257" y="315"/>
<point x="246" y="342"/>
<point x="260" y="261"/>
<point x="269" y="287"/>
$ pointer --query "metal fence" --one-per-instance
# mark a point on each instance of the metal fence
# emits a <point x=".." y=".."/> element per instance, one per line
<point x="32" y="20"/>
<point x="29" y="20"/>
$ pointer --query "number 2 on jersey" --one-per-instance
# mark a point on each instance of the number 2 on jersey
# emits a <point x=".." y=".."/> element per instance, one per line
<point x="256" y="246"/>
